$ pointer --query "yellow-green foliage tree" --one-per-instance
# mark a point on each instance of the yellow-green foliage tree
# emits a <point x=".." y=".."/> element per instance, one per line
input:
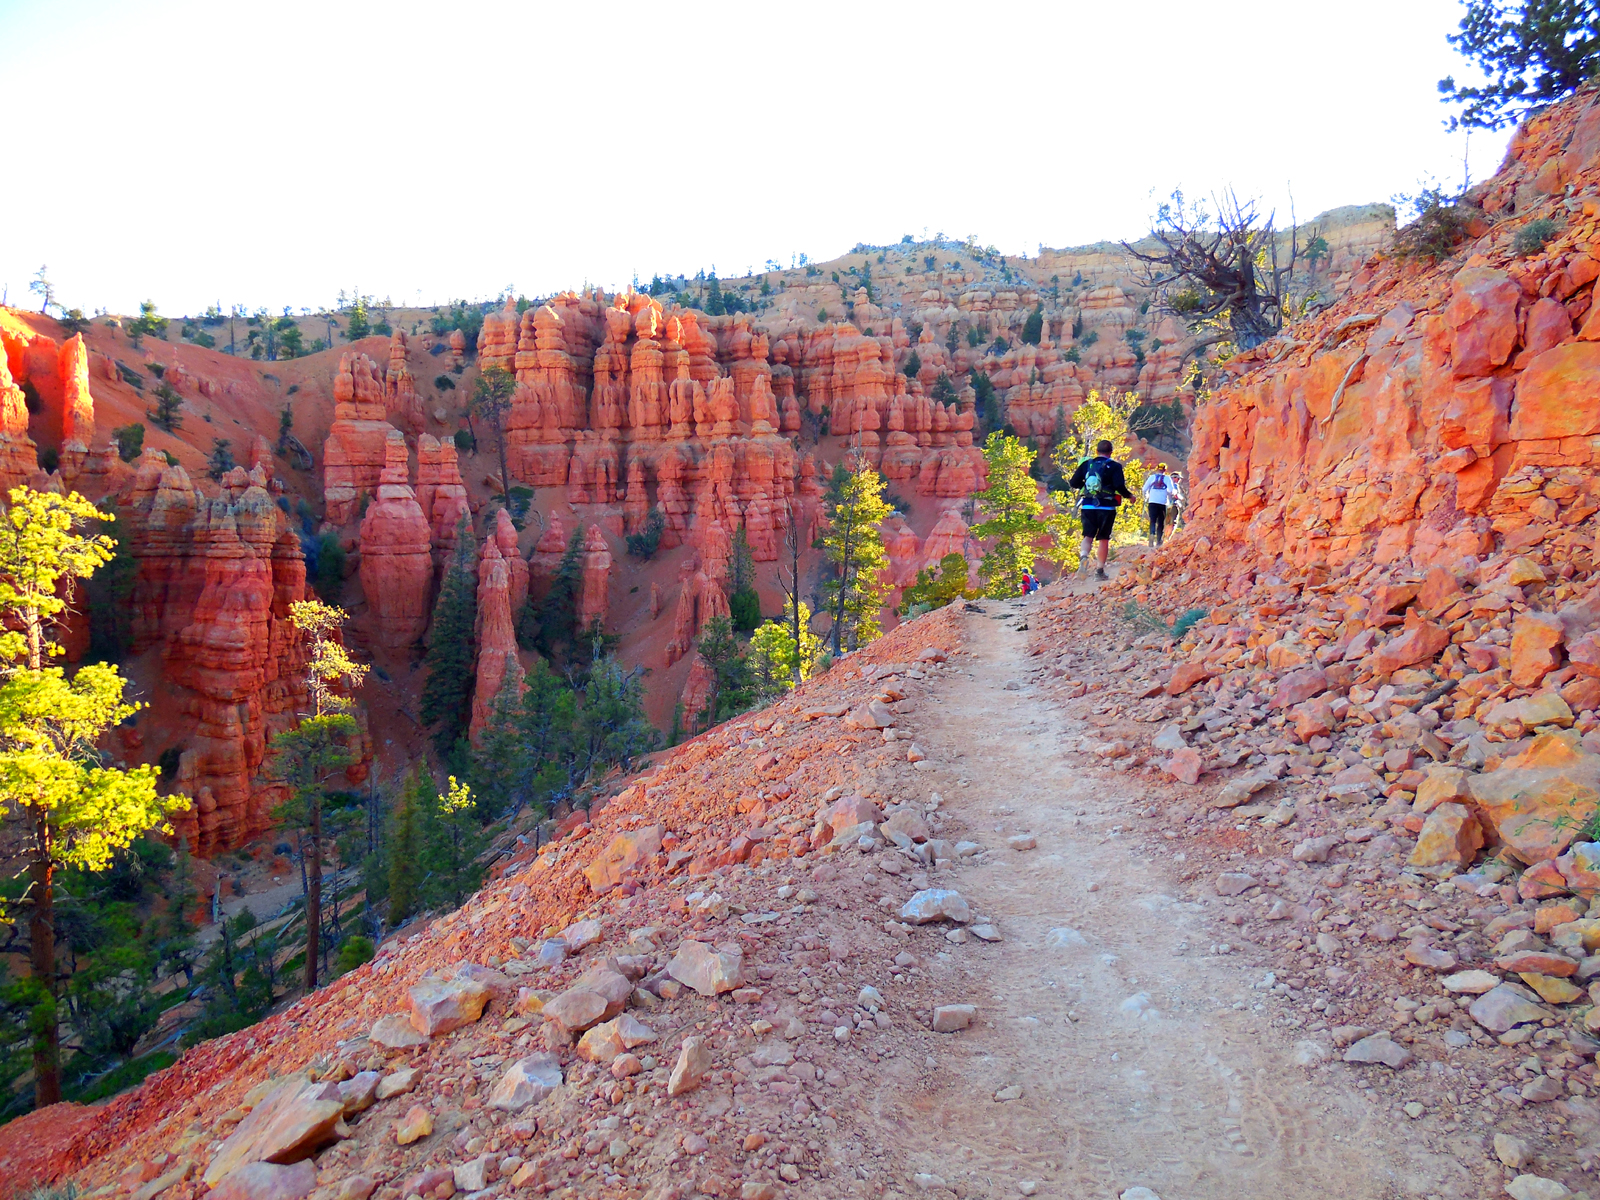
<point x="1099" y="418"/>
<point x="71" y="810"/>
<point x="777" y="661"/>
<point x="854" y="545"/>
<point x="1011" y="506"/>
<point x="319" y="744"/>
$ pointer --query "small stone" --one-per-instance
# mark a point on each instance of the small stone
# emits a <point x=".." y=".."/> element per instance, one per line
<point x="442" y="1005"/>
<point x="1414" y="1110"/>
<point x="1014" y="1092"/>
<point x="1551" y="989"/>
<point x="693" y="1065"/>
<point x="1501" y="1009"/>
<point x="984" y="932"/>
<point x="755" y="1189"/>
<point x="1536" y="1187"/>
<point x="947" y="1018"/>
<point x="1232" y="883"/>
<point x="1139" y="1193"/>
<point x="1022" y="841"/>
<point x="1512" y="1151"/>
<point x="527" y="1081"/>
<point x="708" y="970"/>
<point x="395" y="1032"/>
<point x="472" y="1175"/>
<point x="1541" y="1089"/>
<point x="935" y="904"/>
<point x="625" y="1065"/>
<point x="1473" y="983"/>
<point x="355" y="1187"/>
<point x="581" y="934"/>
<point x="1424" y="954"/>
<point x="266" y="1181"/>
<point x="1379" y="1049"/>
<point x="414" y="1126"/>
<point x="1027" y="1187"/>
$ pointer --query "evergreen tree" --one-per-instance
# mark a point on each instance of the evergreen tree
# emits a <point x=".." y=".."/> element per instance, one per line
<point x="491" y="400"/>
<point x="913" y="365"/>
<point x="452" y="657"/>
<point x="453" y="838"/>
<point x="317" y="746"/>
<point x="404" y="851"/>
<point x="854" y="545"/>
<point x="552" y="625"/>
<point x="221" y="460"/>
<point x="1033" y="327"/>
<point x="733" y="687"/>
<point x="168" y="410"/>
<point x="991" y="414"/>
<point x="743" y="601"/>
<point x="610" y="728"/>
<point x="1012" y="506"/>
<point x="525" y="747"/>
<point x="360" y="327"/>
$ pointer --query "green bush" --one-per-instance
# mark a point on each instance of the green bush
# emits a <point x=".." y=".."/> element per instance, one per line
<point x="647" y="541"/>
<point x="465" y="442"/>
<point x="1533" y="236"/>
<point x="353" y="951"/>
<point x="444" y="383"/>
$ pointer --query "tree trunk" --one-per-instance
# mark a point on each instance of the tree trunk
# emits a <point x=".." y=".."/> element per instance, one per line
<point x="505" y="474"/>
<point x="313" y="862"/>
<point x="42" y="945"/>
<point x="844" y="582"/>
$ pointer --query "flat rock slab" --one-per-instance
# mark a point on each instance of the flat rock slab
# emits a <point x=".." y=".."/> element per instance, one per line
<point x="1501" y="1009"/>
<point x="442" y="1005"/>
<point x="396" y="1032"/>
<point x="948" y="1018"/>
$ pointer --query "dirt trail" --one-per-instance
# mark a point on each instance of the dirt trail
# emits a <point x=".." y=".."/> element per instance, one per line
<point x="1140" y="1046"/>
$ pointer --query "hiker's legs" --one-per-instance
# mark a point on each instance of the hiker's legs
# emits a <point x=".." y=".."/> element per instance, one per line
<point x="1158" y="523"/>
<point x="1102" y="550"/>
<point x="1083" y="555"/>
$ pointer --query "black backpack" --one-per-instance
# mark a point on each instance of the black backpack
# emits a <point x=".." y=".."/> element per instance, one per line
<point x="1097" y="480"/>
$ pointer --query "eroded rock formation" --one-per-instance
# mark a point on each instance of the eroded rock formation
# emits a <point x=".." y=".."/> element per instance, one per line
<point x="396" y="553"/>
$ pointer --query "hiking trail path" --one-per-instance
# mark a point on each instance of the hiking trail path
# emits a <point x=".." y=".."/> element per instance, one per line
<point x="1137" y="1039"/>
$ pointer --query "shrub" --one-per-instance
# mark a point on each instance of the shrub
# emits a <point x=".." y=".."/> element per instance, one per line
<point x="130" y="441"/>
<point x="647" y="541"/>
<point x="1533" y="236"/>
<point x="465" y="442"/>
<point x="167" y="414"/>
<point x="913" y="365"/>
<point x="1439" y="226"/>
<point x="1187" y="622"/>
<point x="974" y="338"/>
<point x="130" y="376"/>
<point x="444" y="383"/>
<point x="221" y="460"/>
<point x="353" y="951"/>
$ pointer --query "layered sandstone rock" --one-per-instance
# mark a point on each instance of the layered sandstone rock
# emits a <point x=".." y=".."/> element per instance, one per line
<point x="497" y="639"/>
<point x="354" y="456"/>
<point x="18" y="455"/>
<point x="401" y="402"/>
<point x="396" y="553"/>
<point x="213" y="582"/>
<point x="595" y="600"/>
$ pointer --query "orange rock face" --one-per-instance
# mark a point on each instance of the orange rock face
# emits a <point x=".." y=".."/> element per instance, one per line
<point x="497" y="639"/>
<point x="354" y="456"/>
<point x="213" y="583"/>
<point x="396" y="553"/>
<point x="595" y="600"/>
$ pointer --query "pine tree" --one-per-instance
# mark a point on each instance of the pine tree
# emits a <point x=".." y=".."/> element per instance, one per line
<point x="854" y="545"/>
<point x="610" y="727"/>
<point x="556" y="619"/>
<point x="491" y="400"/>
<point x="453" y="838"/>
<point x="317" y="746"/>
<point x="732" y="688"/>
<point x="1011" y="503"/>
<point x="452" y="657"/>
<point x="777" y="661"/>
<point x="744" y="603"/>
<point x="404" y="851"/>
<point x="500" y="760"/>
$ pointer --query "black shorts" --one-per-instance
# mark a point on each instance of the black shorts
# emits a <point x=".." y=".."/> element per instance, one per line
<point x="1097" y="523"/>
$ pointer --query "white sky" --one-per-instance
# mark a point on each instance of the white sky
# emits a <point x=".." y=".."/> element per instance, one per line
<point x="272" y="154"/>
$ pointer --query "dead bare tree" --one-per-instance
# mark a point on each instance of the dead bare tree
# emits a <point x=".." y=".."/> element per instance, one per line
<point x="1222" y="272"/>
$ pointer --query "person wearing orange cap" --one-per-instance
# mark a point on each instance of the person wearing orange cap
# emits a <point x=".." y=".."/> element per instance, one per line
<point x="1159" y="491"/>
